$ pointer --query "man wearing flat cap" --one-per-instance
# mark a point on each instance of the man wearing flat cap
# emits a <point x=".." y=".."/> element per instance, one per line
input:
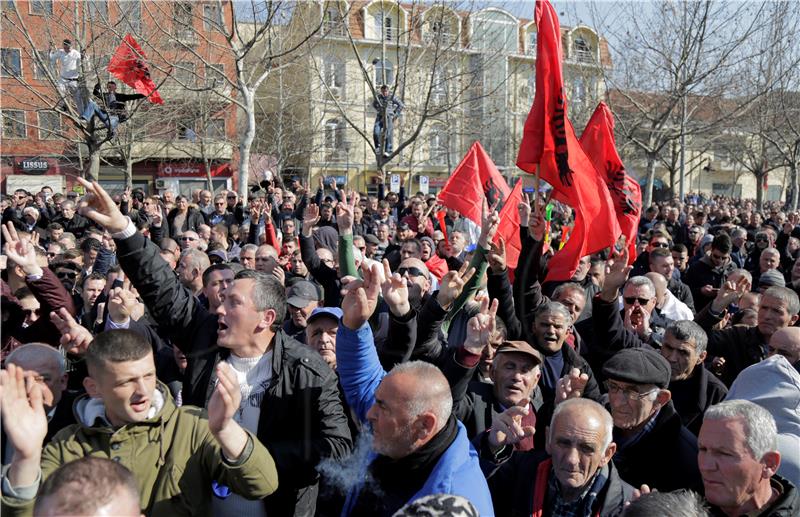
<point x="653" y="446"/>
<point x="301" y="299"/>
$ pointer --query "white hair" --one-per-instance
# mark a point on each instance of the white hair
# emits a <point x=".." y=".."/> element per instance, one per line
<point x="432" y="391"/>
<point x="34" y="351"/>
<point x="761" y="433"/>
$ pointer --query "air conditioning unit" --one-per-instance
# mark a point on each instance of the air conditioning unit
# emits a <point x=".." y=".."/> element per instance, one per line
<point x="161" y="185"/>
<point x="335" y="92"/>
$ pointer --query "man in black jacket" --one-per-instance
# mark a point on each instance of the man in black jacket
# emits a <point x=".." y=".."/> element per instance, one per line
<point x="653" y="446"/>
<point x="575" y="475"/>
<point x="112" y="110"/>
<point x="302" y="419"/>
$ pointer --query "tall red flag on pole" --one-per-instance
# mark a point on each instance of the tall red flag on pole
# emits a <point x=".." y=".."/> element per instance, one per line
<point x="129" y="65"/>
<point x="549" y="141"/>
<point x="508" y="229"/>
<point x="598" y="142"/>
<point x="474" y="179"/>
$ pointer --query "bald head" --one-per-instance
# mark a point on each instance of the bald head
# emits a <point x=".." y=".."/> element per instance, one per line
<point x="660" y="284"/>
<point x="588" y="412"/>
<point x="46" y="365"/>
<point x="786" y="342"/>
<point x="426" y="390"/>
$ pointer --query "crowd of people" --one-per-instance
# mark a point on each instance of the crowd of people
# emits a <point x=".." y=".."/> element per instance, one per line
<point x="318" y="351"/>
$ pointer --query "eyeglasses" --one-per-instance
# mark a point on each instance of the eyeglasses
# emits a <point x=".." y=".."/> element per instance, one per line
<point x="762" y="239"/>
<point x="659" y="244"/>
<point x="188" y="238"/>
<point x="630" y="300"/>
<point x="630" y="393"/>
<point x="231" y="197"/>
<point x="30" y="312"/>
<point x="412" y="271"/>
<point x="67" y="274"/>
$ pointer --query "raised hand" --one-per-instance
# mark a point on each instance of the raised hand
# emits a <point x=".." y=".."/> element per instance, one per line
<point x="729" y="293"/>
<point x="507" y="428"/>
<point x="361" y="296"/>
<point x="75" y="338"/>
<point x="24" y="418"/>
<point x="20" y="251"/>
<point x="497" y="256"/>
<point x="637" y="319"/>
<point x="524" y="209"/>
<point x="452" y="284"/>
<point x="394" y="290"/>
<point x="280" y="274"/>
<point x="344" y="214"/>
<point x="225" y="400"/>
<point x="616" y="276"/>
<point x="98" y="206"/>
<point x="121" y="305"/>
<point x="537" y="224"/>
<point x="481" y="327"/>
<point x="571" y="386"/>
<point x="490" y="221"/>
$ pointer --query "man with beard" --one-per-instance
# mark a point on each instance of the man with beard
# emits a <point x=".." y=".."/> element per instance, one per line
<point x="419" y="448"/>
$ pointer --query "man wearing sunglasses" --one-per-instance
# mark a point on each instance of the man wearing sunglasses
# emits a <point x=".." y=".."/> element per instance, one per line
<point x="658" y="239"/>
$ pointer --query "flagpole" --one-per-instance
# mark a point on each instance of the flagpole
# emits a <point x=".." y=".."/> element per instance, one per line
<point x="537" y="180"/>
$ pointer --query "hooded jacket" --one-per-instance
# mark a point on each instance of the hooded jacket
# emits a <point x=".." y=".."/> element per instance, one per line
<point x="173" y="456"/>
<point x="774" y="384"/>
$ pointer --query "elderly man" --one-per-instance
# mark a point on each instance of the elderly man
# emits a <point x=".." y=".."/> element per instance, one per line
<point x="770" y="260"/>
<point x="189" y="240"/>
<point x="46" y="367"/>
<point x="266" y="258"/>
<point x="575" y="476"/>
<point x="419" y="447"/>
<point x="70" y="221"/>
<point x="653" y="446"/>
<point x="321" y="330"/>
<point x="693" y="387"/>
<point x="739" y="346"/>
<point x="247" y="257"/>
<point x="190" y="270"/>
<point x="738" y="459"/>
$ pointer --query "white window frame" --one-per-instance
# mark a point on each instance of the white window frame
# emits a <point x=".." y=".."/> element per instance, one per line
<point x="51" y="134"/>
<point x="3" y="72"/>
<point x="23" y="123"/>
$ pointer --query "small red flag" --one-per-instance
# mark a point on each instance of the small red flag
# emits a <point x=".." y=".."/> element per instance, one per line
<point x="440" y="215"/>
<point x="508" y="229"/>
<point x="598" y="142"/>
<point x="128" y="64"/>
<point x="474" y="179"/>
<point x="549" y="141"/>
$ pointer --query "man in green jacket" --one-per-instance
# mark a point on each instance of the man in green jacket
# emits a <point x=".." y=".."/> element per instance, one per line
<point x="185" y="462"/>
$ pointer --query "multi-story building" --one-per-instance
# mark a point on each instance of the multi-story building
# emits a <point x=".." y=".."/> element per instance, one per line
<point x="178" y="145"/>
<point x="463" y="76"/>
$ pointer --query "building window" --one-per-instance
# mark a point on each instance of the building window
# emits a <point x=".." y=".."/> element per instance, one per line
<point x="334" y="135"/>
<point x="12" y="65"/>
<point x="7" y="5"/>
<point x="384" y="27"/>
<point x="97" y="10"/>
<point x="438" y="88"/>
<point x="185" y="73"/>
<point x="384" y="72"/>
<point x="49" y="125"/>
<point x="183" y="22"/>
<point x="215" y="129"/>
<point x="41" y="63"/>
<point x="215" y="75"/>
<point x="332" y="23"/>
<point x="42" y="7"/>
<point x="13" y="124"/>
<point x="531" y="50"/>
<point x="494" y="30"/>
<point x="437" y="144"/>
<point x="212" y="18"/>
<point x="579" y="91"/>
<point x="582" y="50"/>
<point x="334" y="76"/>
<point x="439" y="33"/>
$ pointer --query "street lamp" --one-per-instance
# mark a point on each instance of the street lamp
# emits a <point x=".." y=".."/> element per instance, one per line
<point x="347" y="145"/>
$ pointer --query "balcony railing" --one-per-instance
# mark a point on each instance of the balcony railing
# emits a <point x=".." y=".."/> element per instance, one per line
<point x="334" y="28"/>
<point x="440" y="38"/>
<point x="583" y="56"/>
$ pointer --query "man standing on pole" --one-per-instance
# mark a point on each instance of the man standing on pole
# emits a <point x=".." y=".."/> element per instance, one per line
<point x="388" y="107"/>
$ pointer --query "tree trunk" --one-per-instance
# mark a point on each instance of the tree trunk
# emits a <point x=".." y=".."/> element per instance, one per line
<point x="92" y="170"/>
<point x="792" y="202"/>
<point x="759" y="191"/>
<point x="246" y="141"/>
<point x="129" y="174"/>
<point x="647" y="195"/>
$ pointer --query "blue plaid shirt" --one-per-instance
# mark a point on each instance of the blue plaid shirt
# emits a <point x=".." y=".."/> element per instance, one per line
<point x="582" y="506"/>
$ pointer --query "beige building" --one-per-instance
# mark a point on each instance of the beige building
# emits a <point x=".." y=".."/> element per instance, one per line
<point x="463" y="76"/>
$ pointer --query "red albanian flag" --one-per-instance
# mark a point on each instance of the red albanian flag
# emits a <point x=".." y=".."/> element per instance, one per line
<point x="549" y="142"/>
<point x="508" y="230"/>
<point x="598" y="142"/>
<point x="128" y="64"/>
<point x="476" y="178"/>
